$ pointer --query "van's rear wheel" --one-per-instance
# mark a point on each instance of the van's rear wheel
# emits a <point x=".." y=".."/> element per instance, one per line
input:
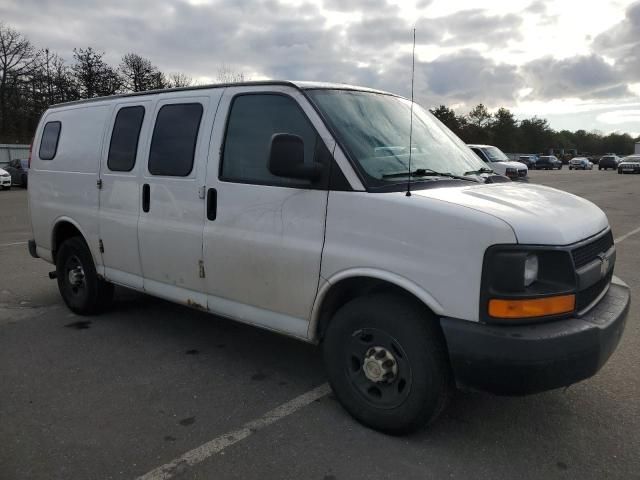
<point x="81" y="288"/>
<point x="387" y="363"/>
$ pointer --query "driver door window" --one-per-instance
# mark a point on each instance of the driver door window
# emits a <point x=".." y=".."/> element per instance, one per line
<point x="252" y="122"/>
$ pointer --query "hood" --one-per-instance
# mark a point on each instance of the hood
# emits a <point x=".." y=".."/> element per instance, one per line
<point x="538" y="215"/>
<point x="3" y="171"/>
<point x="516" y="165"/>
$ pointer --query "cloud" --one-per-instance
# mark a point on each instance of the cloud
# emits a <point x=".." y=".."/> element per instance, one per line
<point x="469" y="77"/>
<point x="622" y="43"/>
<point x="477" y="26"/>
<point x="537" y="7"/>
<point x="586" y="76"/>
<point x="299" y="41"/>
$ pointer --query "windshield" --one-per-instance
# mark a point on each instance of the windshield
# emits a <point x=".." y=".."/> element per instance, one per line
<point x="374" y="128"/>
<point x="495" y="154"/>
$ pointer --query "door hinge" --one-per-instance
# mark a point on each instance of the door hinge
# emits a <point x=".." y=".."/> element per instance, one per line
<point x="101" y="245"/>
<point x="99" y="183"/>
<point x="201" y="191"/>
<point x="201" y="268"/>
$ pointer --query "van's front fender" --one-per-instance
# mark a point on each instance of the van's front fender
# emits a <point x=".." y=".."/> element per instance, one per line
<point x="367" y="273"/>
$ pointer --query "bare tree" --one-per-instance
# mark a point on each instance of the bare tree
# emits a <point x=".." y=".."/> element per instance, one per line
<point x="226" y="74"/>
<point x="16" y="62"/>
<point x="177" y="80"/>
<point x="139" y="74"/>
<point x="95" y="78"/>
<point x="54" y="78"/>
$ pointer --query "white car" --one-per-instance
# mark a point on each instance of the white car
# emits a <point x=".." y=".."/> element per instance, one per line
<point x="280" y="205"/>
<point x="580" y="163"/>
<point x="499" y="162"/>
<point x="630" y="164"/>
<point x="5" y="179"/>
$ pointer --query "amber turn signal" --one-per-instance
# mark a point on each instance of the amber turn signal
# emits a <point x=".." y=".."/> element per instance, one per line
<point x="531" y="307"/>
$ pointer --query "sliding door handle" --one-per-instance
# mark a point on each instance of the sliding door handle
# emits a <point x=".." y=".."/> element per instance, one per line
<point x="146" y="197"/>
<point x="212" y="203"/>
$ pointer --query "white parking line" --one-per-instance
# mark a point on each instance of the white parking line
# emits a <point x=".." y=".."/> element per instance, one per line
<point x="622" y="238"/>
<point x="217" y="445"/>
<point x="12" y="244"/>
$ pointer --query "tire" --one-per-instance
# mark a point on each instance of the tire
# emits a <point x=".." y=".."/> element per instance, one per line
<point x="6" y="188"/>
<point x="25" y="180"/>
<point x="570" y="168"/>
<point x="422" y="384"/>
<point x="88" y="294"/>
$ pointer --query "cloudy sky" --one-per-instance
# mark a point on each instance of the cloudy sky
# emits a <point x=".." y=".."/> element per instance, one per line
<point x="576" y="63"/>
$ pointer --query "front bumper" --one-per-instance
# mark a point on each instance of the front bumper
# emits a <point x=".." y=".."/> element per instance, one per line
<point x="623" y="169"/>
<point x="5" y="181"/>
<point x="523" y="359"/>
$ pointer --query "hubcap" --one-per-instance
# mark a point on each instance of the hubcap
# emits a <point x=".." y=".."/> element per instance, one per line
<point x="378" y="368"/>
<point x="380" y="365"/>
<point x="75" y="275"/>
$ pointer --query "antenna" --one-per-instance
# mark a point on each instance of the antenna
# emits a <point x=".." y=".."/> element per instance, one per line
<point x="413" y="69"/>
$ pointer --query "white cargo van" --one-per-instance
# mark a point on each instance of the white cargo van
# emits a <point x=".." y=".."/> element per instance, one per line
<point x="284" y="205"/>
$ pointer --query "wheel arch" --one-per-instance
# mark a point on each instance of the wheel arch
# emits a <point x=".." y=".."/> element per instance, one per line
<point x="64" y="228"/>
<point x="349" y="284"/>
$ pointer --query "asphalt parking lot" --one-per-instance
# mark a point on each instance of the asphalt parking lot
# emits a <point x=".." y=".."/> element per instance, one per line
<point x="124" y="393"/>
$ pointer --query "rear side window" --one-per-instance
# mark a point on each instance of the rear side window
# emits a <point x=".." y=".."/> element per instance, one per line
<point x="49" y="142"/>
<point x="124" y="139"/>
<point x="173" y="144"/>
<point x="253" y="120"/>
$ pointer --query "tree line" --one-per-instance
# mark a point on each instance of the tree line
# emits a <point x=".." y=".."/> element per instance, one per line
<point x="32" y="79"/>
<point x="531" y="135"/>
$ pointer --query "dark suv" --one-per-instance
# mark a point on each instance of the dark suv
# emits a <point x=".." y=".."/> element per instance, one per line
<point x="548" y="162"/>
<point x="609" y="161"/>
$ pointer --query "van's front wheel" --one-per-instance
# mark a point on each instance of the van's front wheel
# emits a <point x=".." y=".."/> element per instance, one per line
<point x="80" y="287"/>
<point x="387" y="363"/>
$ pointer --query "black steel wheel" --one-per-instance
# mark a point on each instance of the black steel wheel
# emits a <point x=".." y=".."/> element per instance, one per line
<point x="387" y="363"/>
<point x="378" y="368"/>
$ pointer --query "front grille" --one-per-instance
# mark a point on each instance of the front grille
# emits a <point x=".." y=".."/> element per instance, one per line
<point x="522" y="173"/>
<point x="590" y="251"/>
<point x="589" y="294"/>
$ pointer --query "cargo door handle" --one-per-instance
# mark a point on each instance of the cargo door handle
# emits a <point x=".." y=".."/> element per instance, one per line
<point x="146" y="197"/>
<point x="212" y="203"/>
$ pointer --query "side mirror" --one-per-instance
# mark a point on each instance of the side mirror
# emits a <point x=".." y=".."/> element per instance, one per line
<point x="286" y="158"/>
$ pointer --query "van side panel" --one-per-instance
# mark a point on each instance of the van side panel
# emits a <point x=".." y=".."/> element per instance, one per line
<point x="433" y="246"/>
<point x="65" y="186"/>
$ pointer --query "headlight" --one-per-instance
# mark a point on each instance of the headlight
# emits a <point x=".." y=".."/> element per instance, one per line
<point x="530" y="269"/>
<point x="526" y="283"/>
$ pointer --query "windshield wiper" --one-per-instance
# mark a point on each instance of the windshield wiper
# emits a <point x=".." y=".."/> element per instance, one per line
<point x="480" y="170"/>
<point x="427" y="172"/>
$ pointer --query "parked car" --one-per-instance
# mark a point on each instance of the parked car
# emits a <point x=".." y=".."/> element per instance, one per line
<point x="580" y="163"/>
<point x="609" y="161"/>
<point x="548" y="162"/>
<point x="499" y="162"/>
<point x="5" y="179"/>
<point x="19" y="170"/>
<point x="271" y="203"/>
<point x="528" y="160"/>
<point x="630" y="164"/>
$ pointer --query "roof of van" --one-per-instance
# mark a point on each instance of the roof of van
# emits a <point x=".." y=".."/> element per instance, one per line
<point x="300" y="85"/>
